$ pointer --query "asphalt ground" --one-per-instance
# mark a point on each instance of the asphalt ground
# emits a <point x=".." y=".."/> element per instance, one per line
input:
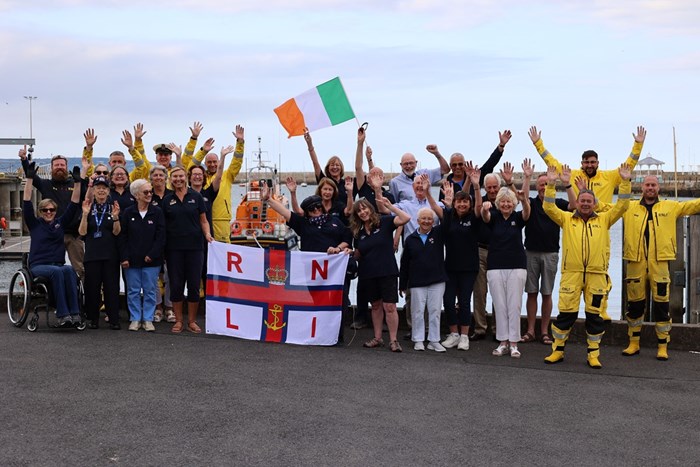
<point x="102" y="397"/>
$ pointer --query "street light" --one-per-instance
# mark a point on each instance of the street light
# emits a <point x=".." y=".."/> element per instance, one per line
<point x="30" y="99"/>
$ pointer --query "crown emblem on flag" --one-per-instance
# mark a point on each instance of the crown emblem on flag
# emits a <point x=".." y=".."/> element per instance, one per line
<point x="276" y="275"/>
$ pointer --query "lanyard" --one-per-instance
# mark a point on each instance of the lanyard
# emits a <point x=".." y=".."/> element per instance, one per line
<point x="98" y="222"/>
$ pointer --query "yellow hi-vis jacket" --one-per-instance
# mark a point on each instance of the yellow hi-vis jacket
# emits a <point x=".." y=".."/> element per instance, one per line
<point x="603" y="183"/>
<point x="662" y="227"/>
<point x="585" y="244"/>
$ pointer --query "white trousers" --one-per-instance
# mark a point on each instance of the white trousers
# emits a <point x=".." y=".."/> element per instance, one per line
<point x="429" y="297"/>
<point x="507" y="287"/>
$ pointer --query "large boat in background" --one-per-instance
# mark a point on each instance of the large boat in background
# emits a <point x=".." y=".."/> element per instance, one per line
<point x="256" y="224"/>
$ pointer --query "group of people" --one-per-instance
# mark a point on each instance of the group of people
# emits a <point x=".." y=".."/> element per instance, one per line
<point x="155" y="219"/>
<point x="461" y="244"/>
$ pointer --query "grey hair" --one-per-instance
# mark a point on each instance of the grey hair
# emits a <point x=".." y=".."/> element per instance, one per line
<point x="137" y="185"/>
<point x="506" y="192"/>
<point x="492" y="176"/>
<point x="157" y="167"/>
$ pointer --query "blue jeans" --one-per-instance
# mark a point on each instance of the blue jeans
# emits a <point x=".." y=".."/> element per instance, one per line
<point x="64" y="286"/>
<point x="145" y="279"/>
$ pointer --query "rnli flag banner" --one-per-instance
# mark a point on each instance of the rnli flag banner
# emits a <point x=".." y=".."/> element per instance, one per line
<point x="274" y="295"/>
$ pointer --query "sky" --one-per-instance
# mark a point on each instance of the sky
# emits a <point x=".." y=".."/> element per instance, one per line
<point x="453" y="73"/>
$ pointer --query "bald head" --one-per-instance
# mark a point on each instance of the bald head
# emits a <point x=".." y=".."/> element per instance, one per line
<point x="211" y="161"/>
<point x="650" y="189"/>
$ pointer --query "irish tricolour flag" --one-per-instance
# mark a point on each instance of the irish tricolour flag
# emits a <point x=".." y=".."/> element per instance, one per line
<point x="323" y="106"/>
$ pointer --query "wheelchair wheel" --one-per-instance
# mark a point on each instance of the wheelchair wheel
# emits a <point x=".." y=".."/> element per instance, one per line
<point x="32" y="325"/>
<point x="18" y="298"/>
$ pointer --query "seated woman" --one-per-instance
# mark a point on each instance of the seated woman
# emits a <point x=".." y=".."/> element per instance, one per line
<point x="47" y="253"/>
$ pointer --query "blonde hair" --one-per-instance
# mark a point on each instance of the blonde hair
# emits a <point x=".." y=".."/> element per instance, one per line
<point x="507" y="193"/>
<point x="328" y="164"/>
<point x="47" y="202"/>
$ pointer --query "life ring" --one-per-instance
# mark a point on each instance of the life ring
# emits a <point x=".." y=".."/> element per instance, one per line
<point x="236" y="228"/>
<point x="268" y="227"/>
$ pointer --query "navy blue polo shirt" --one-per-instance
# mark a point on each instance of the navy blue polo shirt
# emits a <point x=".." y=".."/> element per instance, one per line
<point x="183" y="230"/>
<point x="124" y="199"/>
<point x="506" y="249"/>
<point x="541" y="232"/>
<point x="377" y="250"/>
<point x="102" y="247"/>
<point x="461" y="241"/>
<point x="157" y="200"/>
<point x="319" y="237"/>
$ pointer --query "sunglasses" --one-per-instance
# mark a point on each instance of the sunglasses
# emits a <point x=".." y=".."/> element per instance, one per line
<point x="147" y="192"/>
<point x="314" y="207"/>
<point x="48" y="210"/>
<point x="102" y="172"/>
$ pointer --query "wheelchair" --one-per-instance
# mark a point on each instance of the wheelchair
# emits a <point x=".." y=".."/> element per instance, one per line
<point x="33" y="294"/>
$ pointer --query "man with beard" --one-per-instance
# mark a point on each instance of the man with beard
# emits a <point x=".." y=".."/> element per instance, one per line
<point x="649" y="245"/>
<point x="401" y="186"/>
<point x="60" y="189"/>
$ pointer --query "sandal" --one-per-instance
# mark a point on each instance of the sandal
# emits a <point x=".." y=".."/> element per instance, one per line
<point x="374" y="342"/>
<point x="194" y="327"/>
<point x="395" y="346"/>
<point x="527" y="337"/>
<point x="546" y="339"/>
<point x="177" y="327"/>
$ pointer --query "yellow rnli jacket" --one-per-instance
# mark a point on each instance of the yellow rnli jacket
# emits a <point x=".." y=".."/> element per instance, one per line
<point x="221" y="209"/>
<point x="662" y="228"/>
<point x="604" y="182"/>
<point x="585" y="244"/>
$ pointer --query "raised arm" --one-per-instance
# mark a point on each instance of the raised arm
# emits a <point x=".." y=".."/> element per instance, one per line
<point x="637" y="146"/>
<point x="29" y="172"/>
<point x="90" y="139"/>
<point x="444" y="166"/>
<point x="490" y="165"/>
<point x="312" y="153"/>
<point x="368" y="154"/>
<point x="528" y="169"/>
<point x="446" y="189"/>
<point x="475" y="176"/>
<point x="507" y="175"/>
<point x="359" y="171"/>
<point x="550" y="193"/>
<point x="275" y="204"/>
<point x="177" y="150"/>
<point x="565" y="177"/>
<point x="187" y="157"/>
<point x="348" y="190"/>
<point x="292" y="187"/>
<point x="547" y="157"/>
<point x="400" y="217"/>
<point x="216" y="181"/>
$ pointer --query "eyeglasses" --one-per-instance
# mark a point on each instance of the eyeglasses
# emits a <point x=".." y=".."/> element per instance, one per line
<point x="48" y="210"/>
<point x="102" y="172"/>
<point x="147" y="192"/>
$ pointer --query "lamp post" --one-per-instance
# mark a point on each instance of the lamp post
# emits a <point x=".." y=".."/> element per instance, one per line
<point x="30" y="99"/>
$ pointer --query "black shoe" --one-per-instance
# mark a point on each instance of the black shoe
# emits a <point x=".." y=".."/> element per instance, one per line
<point x="477" y="336"/>
<point x="94" y="324"/>
<point x="407" y="336"/>
<point x="115" y="327"/>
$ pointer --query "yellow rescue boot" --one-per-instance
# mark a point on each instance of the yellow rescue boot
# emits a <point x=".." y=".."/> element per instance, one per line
<point x="593" y="341"/>
<point x="634" y="331"/>
<point x="560" y="338"/>
<point x="663" y="330"/>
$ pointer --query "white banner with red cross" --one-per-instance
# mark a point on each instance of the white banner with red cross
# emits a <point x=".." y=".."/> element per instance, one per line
<point x="274" y="295"/>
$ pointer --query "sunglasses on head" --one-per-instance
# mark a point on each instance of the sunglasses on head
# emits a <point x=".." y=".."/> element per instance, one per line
<point x="48" y="210"/>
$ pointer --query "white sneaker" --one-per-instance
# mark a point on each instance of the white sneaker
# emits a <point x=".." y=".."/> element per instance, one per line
<point x="463" y="342"/>
<point x="148" y="326"/>
<point x="418" y="346"/>
<point x="436" y="346"/>
<point x="134" y="326"/>
<point x="451" y="341"/>
<point x="170" y="316"/>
